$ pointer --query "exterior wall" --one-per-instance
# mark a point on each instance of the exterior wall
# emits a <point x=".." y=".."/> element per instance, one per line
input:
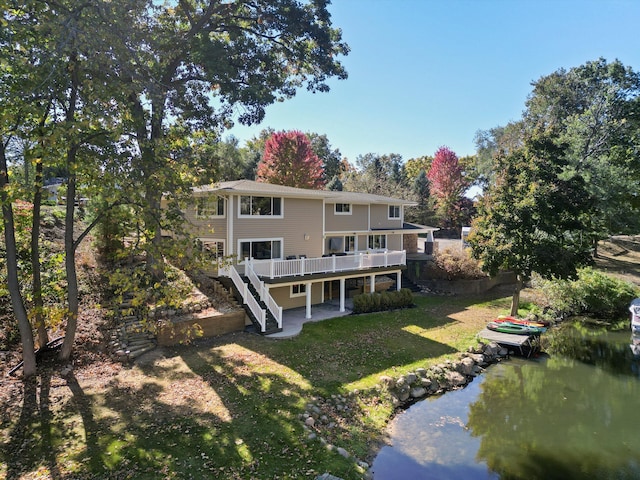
<point x="300" y="227"/>
<point x="357" y="221"/>
<point x="394" y="242"/>
<point x="206" y="227"/>
<point x="380" y="218"/>
<point x="363" y="243"/>
<point x="281" y="295"/>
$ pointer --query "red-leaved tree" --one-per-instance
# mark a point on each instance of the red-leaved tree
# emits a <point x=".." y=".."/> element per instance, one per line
<point x="289" y="160"/>
<point x="447" y="184"/>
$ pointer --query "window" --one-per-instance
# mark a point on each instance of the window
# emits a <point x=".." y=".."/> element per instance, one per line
<point x="343" y="209"/>
<point x="209" y="206"/>
<point x="394" y="211"/>
<point x="251" y="206"/>
<point x="377" y="242"/>
<point x="298" y="290"/>
<point x="350" y="243"/>
<point x="261" y="249"/>
<point x="213" y="249"/>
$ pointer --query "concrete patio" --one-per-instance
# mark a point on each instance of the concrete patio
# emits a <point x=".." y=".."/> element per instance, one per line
<point x="294" y="319"/>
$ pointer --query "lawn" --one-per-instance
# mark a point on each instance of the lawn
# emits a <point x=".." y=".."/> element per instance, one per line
<point x="231" y="407"/>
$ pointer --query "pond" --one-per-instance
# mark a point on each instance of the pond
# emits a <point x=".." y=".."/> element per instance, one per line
<point x="571" y="414"/>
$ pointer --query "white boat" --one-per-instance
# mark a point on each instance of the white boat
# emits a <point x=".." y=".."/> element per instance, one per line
<point x="634" y="308"/>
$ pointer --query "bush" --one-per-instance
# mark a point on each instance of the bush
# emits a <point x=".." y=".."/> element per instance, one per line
<point x="454" y="265"/>
<point x="593" y="293"/>
<point x="378" y="302"/>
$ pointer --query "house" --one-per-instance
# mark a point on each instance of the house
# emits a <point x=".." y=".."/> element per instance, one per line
<point x="293" y="247"/>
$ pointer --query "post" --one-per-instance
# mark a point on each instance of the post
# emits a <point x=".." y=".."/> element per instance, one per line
<point x="342" y="292"/>
<point x="308" y="298"/>
<point x="399" y="280"/>
<point x="372" y="281"/>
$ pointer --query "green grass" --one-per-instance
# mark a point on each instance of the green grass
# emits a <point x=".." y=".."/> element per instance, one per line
<point x="229" y="407"/>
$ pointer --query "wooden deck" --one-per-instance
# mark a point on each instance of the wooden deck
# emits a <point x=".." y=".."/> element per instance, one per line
<point x="525" y="343"/>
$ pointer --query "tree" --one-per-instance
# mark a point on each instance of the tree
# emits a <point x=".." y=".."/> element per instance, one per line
<point x="378" y="174"/>
<point x="331" y="159"/>
<point x="289" y="160"/>
<point x="447" y="185"/>
<point x="533" y="218"/>
<point x="200" y="62"/>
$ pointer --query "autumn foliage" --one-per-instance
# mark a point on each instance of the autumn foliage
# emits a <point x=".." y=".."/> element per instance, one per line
<point x="447" y="183"/>
<point x="289" y="160"/>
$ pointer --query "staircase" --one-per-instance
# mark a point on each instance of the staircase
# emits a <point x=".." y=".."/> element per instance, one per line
<point x="271" y="324"/>
<point x="406" y="282"/>
<point x="133" y="334"/>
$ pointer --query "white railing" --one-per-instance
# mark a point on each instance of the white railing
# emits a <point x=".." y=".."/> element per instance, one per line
<point x="247" y="298"/>
<point x="263" y="292"/>
<point x="333" y="264"/>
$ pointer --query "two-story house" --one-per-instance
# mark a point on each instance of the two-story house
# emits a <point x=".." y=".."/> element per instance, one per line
<point x="293" y="247"/>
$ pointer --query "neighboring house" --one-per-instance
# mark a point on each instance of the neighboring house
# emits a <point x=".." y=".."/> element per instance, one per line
<point x="293" y="247"/>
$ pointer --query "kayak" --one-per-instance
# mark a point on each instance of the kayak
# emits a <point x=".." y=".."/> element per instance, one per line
<point x="517" y="321"/>
<point x="515" y="328"/>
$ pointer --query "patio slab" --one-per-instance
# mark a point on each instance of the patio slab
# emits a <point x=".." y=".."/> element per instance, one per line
<point x="294" y="319"/>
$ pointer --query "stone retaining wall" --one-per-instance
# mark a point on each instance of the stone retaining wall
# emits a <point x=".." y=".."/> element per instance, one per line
<point x="468" y="287"/>
<point x="177" y="330"/>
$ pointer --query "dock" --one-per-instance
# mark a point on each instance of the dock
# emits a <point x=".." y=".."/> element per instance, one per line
<point x="522" y="342"/>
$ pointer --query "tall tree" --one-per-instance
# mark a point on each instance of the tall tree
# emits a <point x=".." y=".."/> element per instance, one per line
<point x="533" y="218"/>
<point x="203" y="61"/>
<point x="447" y="185"/>
<point x="378" y="174"/>
<point x="289" y="160"/>
<point x="331" y="158"/>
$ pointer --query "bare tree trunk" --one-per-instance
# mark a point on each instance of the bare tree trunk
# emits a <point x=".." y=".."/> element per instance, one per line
<point x="69" y="244"/>
<point x="41" y="328"/>
<point x="17" y="302"/>
<point x="70" y="266"/>
<point x="515" y="300"/>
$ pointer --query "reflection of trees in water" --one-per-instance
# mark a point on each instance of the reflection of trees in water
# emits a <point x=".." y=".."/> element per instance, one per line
<point x="595" y="346"/>
<point x="557" y="419"/>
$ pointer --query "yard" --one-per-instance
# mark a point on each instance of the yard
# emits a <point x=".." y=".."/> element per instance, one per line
<point x="231" y="407"/>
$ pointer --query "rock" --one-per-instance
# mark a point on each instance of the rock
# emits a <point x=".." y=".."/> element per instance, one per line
<point x="426" y="382"/>
<point x="421" y="372"/>
<point x="310" y="422"/>
<point x="465" y="366"/>
<point x="387" y="382"/>
<point x="410" y="378"/>
<point x="455" y="379"/>
<point x="418" y="392"/>
<point x="343" y="452"/>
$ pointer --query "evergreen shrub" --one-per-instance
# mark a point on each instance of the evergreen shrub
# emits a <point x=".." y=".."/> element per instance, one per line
<point x="378" y="302"/>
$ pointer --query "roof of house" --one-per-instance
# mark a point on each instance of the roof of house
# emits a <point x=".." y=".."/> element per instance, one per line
<point x="260" y="188"/>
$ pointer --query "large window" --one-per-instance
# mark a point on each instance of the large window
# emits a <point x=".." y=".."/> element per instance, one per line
<point x="209" y="206"/>
<point x="261" y="249"/>
<point x="394" y="211"/>
<point x="343" y="209"/>
<point x="252" y="206"/>
<point x="377" y="242"/>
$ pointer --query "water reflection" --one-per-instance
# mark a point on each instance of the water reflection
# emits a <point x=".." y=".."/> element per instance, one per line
<point x="573" y="415"/>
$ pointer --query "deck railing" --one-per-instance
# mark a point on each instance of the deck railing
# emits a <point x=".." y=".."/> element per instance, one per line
<point x="306" y="266"/>
<point x="248" y="299"/>
<point x="265" y="296"/>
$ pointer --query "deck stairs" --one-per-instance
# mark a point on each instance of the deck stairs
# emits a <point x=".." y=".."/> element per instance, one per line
<point x="271" y="324"/>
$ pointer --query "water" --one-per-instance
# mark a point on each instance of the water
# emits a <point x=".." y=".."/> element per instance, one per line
<point x="572" y="414"/>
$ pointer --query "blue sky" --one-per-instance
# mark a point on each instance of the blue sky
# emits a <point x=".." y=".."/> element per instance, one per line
<point x="426" y="73"/>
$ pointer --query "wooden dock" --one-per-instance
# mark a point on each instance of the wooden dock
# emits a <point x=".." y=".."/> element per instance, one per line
<point x="524" y="343"/>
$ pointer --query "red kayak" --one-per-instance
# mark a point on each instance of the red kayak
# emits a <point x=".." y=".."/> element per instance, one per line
<point x="517" y="321"/>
